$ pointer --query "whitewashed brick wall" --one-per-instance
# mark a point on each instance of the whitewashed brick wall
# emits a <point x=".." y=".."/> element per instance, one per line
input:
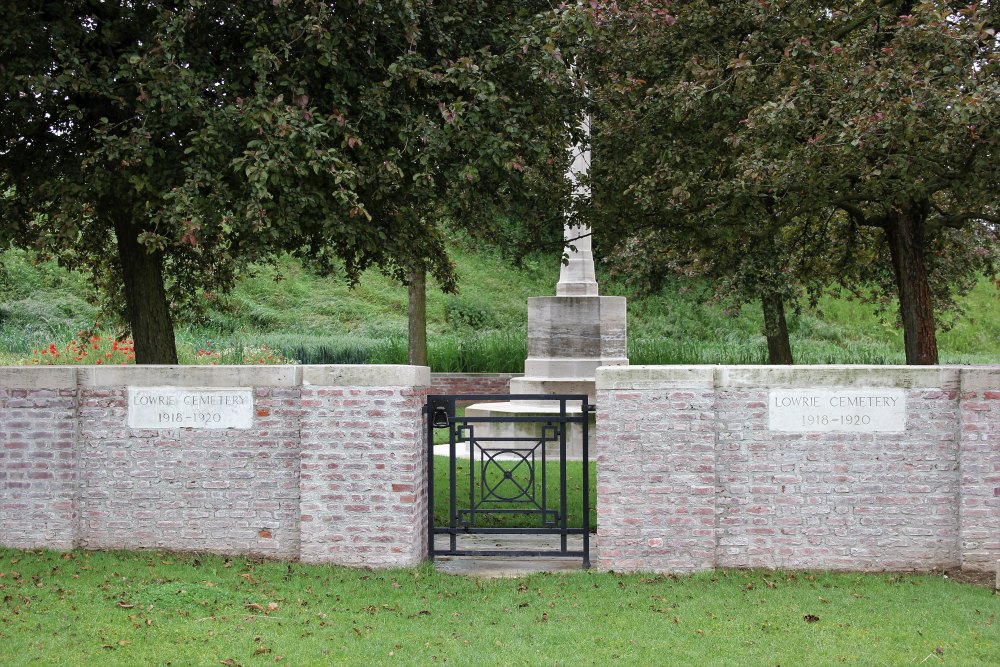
<point x="690" y="476"/>
<point x="327" y="473"/>
<point x="38" y="458"/>
<point x="334" y="469"/>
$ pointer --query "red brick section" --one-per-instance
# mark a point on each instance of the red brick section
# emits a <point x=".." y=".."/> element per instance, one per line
<point x="980" y="470"/>
<point x="37" y="467"/>
<point x="471" y="383"/>
<point x="363" y="480"/>
<point x="326" y="473"/>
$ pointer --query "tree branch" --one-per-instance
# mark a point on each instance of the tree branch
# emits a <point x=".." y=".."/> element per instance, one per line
<point x="857" y="215"/>
<point x="957" y="220"/>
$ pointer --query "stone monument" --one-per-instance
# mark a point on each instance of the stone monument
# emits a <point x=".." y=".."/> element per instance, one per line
<point x="569" y="334"/>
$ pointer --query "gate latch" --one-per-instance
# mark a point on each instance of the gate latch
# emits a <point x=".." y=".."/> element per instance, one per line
<point x="439" y="415"/>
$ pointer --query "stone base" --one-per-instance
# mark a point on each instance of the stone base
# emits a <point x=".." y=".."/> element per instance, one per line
<point x="574" y="432"/>
<point x="546" y="385"/>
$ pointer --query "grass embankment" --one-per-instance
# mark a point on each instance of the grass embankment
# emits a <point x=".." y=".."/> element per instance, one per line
<point x="166" y="609"/>
<point x="320" y="320"/>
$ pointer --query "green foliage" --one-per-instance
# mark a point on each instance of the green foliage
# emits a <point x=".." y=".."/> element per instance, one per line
<point x="144" y="608"/>
<point x="501" y="351"/>
<point x="40" y="302"/>
<point x="172" y="145"/>
<point x="788" y="147"/>
<point x="464" y="312"/>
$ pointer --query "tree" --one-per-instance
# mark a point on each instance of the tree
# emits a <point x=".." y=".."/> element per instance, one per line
<point x="812" y="135"/>
<point x="168" y="147"/>
<point x="417" y="318"/>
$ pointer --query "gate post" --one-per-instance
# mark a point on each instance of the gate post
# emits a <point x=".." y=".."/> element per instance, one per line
<point x="364" y="471"/>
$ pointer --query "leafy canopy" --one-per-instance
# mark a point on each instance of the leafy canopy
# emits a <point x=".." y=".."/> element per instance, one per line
<point x="220" y="133"/>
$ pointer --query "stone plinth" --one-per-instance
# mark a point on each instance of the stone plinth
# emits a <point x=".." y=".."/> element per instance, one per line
<point x="569" y="337"/>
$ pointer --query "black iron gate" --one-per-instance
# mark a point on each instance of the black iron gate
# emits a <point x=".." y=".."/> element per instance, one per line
<point x="506" y="470"/>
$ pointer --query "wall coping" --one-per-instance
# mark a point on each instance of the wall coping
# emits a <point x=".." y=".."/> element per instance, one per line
<point x="985" y="377"/>
<point x="38" y="377"/>
<point x="968" y="378"/>
<point x="93" y="377"/>
<point x="366" y="376"/>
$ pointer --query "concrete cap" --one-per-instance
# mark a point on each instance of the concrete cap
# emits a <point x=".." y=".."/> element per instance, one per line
<point x="38" y="377"/>
<point x="742" y="377"/>
<point x="980" y="378"/>
<point x="190" y="376"/>
<point x="654" y="377"/>
<point x="366" y="376"/>
<point x="902" y="377"/>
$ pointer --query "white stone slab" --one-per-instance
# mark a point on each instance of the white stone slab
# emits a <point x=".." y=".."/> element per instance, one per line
<point x="828" y="410"/>
<point x="190" y="407"/>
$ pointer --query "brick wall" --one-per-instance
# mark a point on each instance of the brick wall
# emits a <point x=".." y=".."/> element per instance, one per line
<point x="364" y="494"/>
<point x="37" y="458"/>
<point x="690" y="476"/>
<point x="471" y="383"/>
<point x="980" y="470"/>
<point x="330" y="470"/>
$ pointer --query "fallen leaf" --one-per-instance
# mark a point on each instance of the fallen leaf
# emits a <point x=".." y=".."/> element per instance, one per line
<point x="810" y="618"/>
<point x="272" y="606"/>
<point x="229" y="662"/>
<point x="125" y="605"/>
<point x="254" y="606"/>
<point x="261" y="650"/>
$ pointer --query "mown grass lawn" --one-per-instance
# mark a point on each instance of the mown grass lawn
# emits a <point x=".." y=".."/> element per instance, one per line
<point x="151" y="608"/>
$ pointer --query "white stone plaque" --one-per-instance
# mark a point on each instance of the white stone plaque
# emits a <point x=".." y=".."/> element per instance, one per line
<point x="825" y="410"/>
<point x="176" y="407"/>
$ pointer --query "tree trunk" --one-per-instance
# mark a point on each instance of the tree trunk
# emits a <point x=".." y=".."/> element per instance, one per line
<point x="417" y="317"/>
<point x="904" y="231"/>
<point x="145" y="298"/>
<point x="779" y="349"/>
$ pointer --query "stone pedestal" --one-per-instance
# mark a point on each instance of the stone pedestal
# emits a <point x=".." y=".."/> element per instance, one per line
<point x="568" y="338"/>
<point x="570" y="334"/>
